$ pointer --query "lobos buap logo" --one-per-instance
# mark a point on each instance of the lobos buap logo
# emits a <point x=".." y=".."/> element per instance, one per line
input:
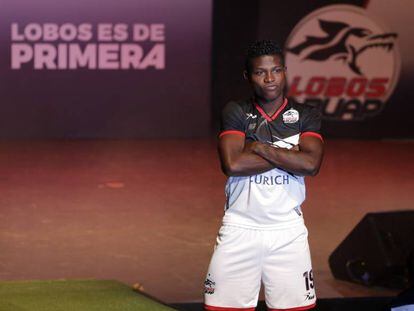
<point x="340" y="58"/>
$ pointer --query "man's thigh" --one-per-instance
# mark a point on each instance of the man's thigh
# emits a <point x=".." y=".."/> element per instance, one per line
<point x="287" y="271"/>
<point x="233" y="278"/>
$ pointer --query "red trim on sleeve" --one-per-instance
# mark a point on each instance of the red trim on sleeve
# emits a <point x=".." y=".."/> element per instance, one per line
<point x="212" y="308"/>
<point x="232" y="132"/>
<point x="312" y="134"/>
<point x="274" y="116"/>
<point x="294" y="309"/>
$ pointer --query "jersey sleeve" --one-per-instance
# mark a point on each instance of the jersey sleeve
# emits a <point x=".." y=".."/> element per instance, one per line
<point x="232" y="120"/>
<point x="311" y="124"/>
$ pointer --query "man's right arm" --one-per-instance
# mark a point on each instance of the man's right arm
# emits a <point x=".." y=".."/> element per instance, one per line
<point x="237" y="159"/>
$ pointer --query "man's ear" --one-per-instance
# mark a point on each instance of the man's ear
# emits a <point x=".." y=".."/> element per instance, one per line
<point x="245" y="75"/>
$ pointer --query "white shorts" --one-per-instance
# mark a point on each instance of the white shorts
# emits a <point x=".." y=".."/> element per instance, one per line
<point x="243" y="258"/>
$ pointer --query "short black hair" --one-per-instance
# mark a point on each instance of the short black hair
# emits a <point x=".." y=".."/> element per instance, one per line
<point x="260" y="48"/>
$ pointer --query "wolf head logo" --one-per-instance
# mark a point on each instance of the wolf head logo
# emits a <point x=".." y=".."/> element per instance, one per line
<point x="342" y="42"/>
<point x="209" y="286"/>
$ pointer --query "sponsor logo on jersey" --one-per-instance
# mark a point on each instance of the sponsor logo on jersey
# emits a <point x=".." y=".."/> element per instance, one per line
<point x="287" y="143"/>
<point x="343" y="60"/>
<point x="209" y="286"/>
<point x="270" y="180"/>
<point x="291" y="116"/>
<point x="250" y="115"/>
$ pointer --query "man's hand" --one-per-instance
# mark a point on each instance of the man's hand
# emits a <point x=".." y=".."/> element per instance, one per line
<point x="303" y="159"/>
<point x="238" y="158"/>
<point x="295" y="148"/>
<point x="251" y="146"/>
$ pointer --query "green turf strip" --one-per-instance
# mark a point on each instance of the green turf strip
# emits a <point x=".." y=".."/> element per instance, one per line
<point x="76" y="295"/>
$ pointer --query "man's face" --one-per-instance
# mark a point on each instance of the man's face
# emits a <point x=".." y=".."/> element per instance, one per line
<point x="267" y="77"/>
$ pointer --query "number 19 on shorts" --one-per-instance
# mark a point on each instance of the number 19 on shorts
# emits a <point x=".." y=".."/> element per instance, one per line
<point x="308" y="276"/>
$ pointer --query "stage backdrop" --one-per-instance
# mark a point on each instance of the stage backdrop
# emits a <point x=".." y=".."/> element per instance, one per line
<point x="104" y="69"/>
<point x="352" y="58"/>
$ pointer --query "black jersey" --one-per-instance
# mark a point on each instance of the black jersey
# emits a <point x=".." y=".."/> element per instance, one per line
<point x="271" y="199"/>
<point x="291" y="120"/>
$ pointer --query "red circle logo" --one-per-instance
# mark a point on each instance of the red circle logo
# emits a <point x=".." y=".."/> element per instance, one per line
<point x="347" y="62"/>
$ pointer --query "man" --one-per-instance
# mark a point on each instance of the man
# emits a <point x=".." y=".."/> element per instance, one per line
<point x="267" y="145"/>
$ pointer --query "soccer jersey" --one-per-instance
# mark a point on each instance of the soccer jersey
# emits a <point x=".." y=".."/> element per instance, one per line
<point x="271" y="199"/>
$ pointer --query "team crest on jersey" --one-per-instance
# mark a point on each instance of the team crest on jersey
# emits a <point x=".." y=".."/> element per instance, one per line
<point x="291" y="116"/>
<point x="209" y="286"/>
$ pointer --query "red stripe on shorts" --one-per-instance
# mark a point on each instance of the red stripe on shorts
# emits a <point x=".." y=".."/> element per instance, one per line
<point x="294" y="309"/>
<point x="213" y="308"/>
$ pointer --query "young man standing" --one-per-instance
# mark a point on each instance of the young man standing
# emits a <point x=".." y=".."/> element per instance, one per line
<point x="267" y="145"/>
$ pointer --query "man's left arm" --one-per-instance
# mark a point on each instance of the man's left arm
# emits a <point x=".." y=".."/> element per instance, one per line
<point x="305" y="162"/>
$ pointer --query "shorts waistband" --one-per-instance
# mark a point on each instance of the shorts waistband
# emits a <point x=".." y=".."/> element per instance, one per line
<point x="289" y="224"/>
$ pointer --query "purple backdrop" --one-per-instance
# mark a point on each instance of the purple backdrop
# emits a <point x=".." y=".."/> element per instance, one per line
<point x="158" y="85"/>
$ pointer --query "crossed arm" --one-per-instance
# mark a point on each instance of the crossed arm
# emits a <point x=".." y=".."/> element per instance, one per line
<point x="239" y="158"/>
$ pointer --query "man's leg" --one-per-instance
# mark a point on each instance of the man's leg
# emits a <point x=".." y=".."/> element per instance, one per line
<point x="233" y="278"/>
<point x="287" y="271"/>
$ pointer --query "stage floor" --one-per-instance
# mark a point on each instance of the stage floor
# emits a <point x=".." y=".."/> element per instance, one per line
<point x="148" y="211"/>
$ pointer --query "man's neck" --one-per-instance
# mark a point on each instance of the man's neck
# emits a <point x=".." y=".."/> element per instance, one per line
<point x="270" y="107"/>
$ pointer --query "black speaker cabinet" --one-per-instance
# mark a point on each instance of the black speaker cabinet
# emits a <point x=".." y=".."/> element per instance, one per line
<point x="376" y="251"/>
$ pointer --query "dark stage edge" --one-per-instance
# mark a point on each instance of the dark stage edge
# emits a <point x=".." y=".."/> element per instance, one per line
<point x="331" y="304"/>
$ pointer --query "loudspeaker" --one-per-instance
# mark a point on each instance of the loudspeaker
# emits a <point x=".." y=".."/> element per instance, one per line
<point x="376" y="251"/>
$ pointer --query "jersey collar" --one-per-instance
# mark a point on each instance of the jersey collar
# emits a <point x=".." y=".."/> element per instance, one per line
<point x="274" y="116"/>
